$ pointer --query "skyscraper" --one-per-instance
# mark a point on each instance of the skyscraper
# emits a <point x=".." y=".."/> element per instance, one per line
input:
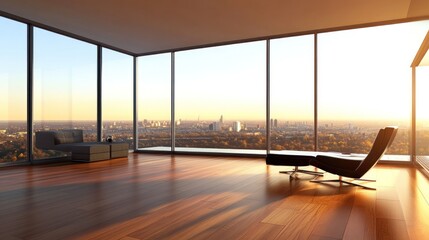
<point x="214" y="126"/>
<point x="236" y="126"/>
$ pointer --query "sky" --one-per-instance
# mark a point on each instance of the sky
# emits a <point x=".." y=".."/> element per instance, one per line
<point x="13" y="71"/>
<point x="363" y="74"/>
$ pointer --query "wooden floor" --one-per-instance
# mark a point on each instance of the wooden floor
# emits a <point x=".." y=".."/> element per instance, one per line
<point x="193" y="197"/>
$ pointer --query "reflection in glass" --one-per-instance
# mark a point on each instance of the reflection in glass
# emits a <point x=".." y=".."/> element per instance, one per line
<point x="117" y="96"/>
<point x="13" y="87"/>
<point x="65" y="86"/>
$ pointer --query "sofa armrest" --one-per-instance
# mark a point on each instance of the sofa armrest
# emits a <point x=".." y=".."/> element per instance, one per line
<point x="45" y="140"/>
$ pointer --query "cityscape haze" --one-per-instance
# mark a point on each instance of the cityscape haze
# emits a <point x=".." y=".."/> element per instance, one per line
<point x="219" y="94"/>
<point x="285" y="135"/>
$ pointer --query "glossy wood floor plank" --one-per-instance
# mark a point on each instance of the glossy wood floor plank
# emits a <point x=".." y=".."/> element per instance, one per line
<point x="362" y="218"/>
<point x="261" y="231"/>
<point x="192" y="197"/>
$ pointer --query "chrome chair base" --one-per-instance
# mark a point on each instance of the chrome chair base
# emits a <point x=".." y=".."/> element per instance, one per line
<point x="340" y="180"/>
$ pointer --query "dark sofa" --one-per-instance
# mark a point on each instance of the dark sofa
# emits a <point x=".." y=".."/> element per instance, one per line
<point x="72" y="141"/>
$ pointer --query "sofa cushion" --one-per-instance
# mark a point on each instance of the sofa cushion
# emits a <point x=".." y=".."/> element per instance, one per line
<point x="119" y="154"/>
<point x="68" y="136"/>
<point x="83" y="148"/>
<point x="45" y="140"/>
<point x="90" y="148"/>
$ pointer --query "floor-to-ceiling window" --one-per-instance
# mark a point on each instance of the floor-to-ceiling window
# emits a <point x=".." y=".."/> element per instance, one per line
<point x="154" y="102"/>
<point x="292" y="93"/>
<point x="220" y="98"/>
<point x="117" y="96"/>
<point x="13" y="91"/>
<point x="364" y="84"/>
<point x="65" y="86"/>
<point x="422" y="115"/>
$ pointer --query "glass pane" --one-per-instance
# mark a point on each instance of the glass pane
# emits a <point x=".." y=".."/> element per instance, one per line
<point x="154" y="102"/>
<point x="13" y="85"/>
<point x="422" y="115"/>
<point x="292" y="93"/>
<point x="65" y="86"/>
<point x="220" y="98"/>
<point x="117" y="96"/>
<point x="365" y="85"/>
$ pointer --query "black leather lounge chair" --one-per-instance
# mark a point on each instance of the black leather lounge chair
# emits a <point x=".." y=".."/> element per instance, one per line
<point x="353" y="168"/>
<point x="293" y="158"/>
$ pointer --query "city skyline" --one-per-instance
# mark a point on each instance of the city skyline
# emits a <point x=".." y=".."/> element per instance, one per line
<point x="345" y="137"/>
<point x="377" y="121"/>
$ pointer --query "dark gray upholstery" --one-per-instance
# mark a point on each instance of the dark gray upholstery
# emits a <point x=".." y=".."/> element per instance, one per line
<point x="72" y="141"/>
<point x="119" y="154"/>
<point x="117" y="149"/>
<point x="45" y="140"/>
<point x="49" y="140"/>
<point x="118" y="146"/>
<point x="68" y="136"/>
<point x="90" y="157"/>
<point x="84" y="147"/>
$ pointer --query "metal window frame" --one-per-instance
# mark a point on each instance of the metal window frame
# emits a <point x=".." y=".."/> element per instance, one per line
<point x="173" y="102"/>
<point x="413" y="149"/>
<point x="135" y="106"/>
<point x="99" y="123"/>
<point x="268" y="95"/>
<point x="316" y="97"/>
<point x="30" y="91"/>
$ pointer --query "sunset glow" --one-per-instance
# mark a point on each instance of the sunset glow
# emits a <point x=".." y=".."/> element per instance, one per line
<point x="219" y="97"/>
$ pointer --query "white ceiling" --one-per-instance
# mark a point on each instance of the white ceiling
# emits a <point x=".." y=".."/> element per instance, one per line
<point x="147" y="26"/>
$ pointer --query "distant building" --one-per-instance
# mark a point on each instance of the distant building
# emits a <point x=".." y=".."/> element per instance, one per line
<point x="215" y="126"/>
<point x="236" y="126"/>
